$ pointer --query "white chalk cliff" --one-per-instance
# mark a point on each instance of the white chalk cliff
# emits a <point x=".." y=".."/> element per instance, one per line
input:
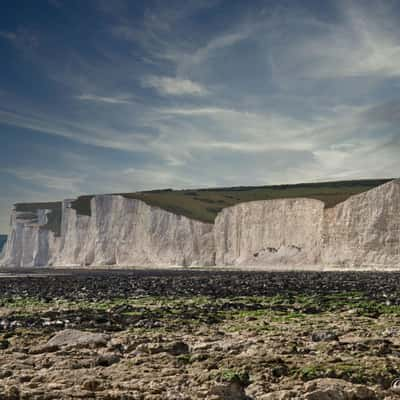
<point x="120" y="231"/>
<point x="28" y="244"/>
<point x="364" y="230"/>
<point x="272" y="232"/>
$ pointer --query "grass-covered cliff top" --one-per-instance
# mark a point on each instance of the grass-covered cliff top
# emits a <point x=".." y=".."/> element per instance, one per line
<point x="204" y="204"/>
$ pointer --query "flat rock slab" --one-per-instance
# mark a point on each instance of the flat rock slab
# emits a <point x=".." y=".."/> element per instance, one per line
<point x="337" y="389"/>
<point x="74" y="337"/>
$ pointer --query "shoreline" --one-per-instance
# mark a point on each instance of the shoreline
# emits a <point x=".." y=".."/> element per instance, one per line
<point x="72" y="270"/>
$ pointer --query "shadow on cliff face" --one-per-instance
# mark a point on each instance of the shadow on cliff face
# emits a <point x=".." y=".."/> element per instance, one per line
<point x="3" y="240"/>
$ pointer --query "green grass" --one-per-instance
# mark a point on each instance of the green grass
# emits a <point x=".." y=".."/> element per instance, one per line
<point x="204" y="204"/>
<point x="310" y="372"/>
<point x="355" y="373"/>
<point x="238" y="376"/>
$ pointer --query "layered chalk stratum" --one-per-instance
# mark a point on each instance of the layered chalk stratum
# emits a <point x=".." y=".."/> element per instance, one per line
<point x="338" y="225"/>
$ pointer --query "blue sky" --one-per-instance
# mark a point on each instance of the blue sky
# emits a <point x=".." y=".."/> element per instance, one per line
<point x="109" y="96"/>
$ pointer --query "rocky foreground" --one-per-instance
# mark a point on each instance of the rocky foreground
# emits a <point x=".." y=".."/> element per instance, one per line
<point x="200" y="335"/>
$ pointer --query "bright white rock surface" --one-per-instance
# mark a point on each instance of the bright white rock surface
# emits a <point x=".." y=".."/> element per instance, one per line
<point x="28" y="243"/>
<point x="363" y="231"/>
<point x="130" y="232"/>
<point x="120" y="231"/>
<point x="270" y="232"/>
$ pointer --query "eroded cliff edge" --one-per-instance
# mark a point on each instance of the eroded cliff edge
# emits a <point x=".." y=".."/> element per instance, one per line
<point x="364" y="230"/>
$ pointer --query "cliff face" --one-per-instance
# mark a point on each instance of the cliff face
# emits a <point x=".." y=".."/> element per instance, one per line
<point x="364" y="230"/>
<point x="120" y="231"/>
<point x="29" y="244"/>
<point x="130" y="232"/>
<point x="75" y="244"/>
<point x="270" y="233"/>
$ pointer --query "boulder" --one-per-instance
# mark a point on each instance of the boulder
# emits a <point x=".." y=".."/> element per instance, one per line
<point x="74" y="337"/>
<point x="337" y="389"/>
<point x="105" y="360"/>
<point x="324" y="336"/>
<point x="229" y="391"/>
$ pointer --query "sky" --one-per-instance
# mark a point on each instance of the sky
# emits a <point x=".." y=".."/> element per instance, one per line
<point x="100" y="96"/>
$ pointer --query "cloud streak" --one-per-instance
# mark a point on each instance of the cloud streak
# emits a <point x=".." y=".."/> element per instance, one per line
<point x="102" y="99"/>
<point x="47" y="180"/>
<point x="360" y="45"/>
<point x="174" y="86"/>
<point x="8" y="35"/>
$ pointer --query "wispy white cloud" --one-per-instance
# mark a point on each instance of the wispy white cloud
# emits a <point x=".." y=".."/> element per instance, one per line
<point x="8" y="35"/>
<point x="85" y="132"/>
<point x="227" y="129"/>
<point x="47" y="180"/>
<point x="22" y="38"/>
<point x="186" y="62"/>
<point x="362" y="43"/>
<point x="195" y="111"/>
<point x="174" y="86"/>
<point x="105" y="99"/>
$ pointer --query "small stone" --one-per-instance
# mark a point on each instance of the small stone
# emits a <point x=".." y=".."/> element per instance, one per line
<point x="47" y="348"/>
<point x="178" y="348"/>
<point x="12" y="393"/>
<point x="395" y="386"/>
<point x="92" y="385"/>
<point x="105" y="360"/>
<point x="5" y="373"/>
<point x="325" y="336"/>
<point x="391" y="331"/>
<point x="229" y="391"/>
<point x="148" y="348"/>
<point x="25" y="378"/>
<point x="279" y="395"/>
<point x="120" y="309"/>
<point x="55" y="386"/>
